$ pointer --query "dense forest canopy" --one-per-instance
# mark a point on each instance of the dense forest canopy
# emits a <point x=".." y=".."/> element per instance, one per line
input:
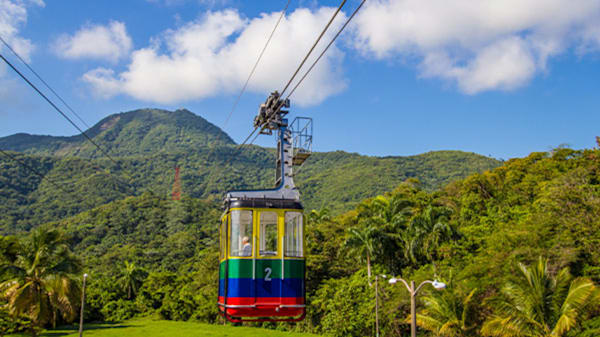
<point x="147" y="144"/>
<point x="518" y="245"/>
<point x="481" y="235"/>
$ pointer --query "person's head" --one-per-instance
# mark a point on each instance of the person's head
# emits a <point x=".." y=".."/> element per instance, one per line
<point x="245" y="240"/>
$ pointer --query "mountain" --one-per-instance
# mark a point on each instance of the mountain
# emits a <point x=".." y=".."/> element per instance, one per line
<point x="138" y="132"/>
<point x="147" y="144"/>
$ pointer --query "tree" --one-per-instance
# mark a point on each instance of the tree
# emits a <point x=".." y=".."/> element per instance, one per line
<point x="426" y="232"/>
<point x="40" y="282"/>
<point x="320" y="216"/>
<point x="389" y="215"/>
<point x="449" y="313"/>
<point x="363" y="241"/>
<point x="131" y="278"/>
<point x="540" y="304"/>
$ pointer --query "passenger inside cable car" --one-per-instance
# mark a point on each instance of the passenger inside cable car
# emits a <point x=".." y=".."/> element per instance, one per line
<point x="265" y="279"/>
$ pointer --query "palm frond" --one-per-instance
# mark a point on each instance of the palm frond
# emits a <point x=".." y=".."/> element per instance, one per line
<point x="581" y="292"/>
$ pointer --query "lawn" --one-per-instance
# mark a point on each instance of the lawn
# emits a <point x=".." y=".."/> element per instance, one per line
<point x="150" y="328"/>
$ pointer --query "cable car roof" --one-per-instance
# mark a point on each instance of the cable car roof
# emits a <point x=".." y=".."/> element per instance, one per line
<point x="263" y="203"/>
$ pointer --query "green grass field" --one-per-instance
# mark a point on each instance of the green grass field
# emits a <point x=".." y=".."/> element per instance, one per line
<point x="150" y="328"/>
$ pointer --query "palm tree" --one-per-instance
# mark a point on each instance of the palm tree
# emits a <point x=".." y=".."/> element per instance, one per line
<point x="40" y="282"/>
<point x="426" y="232"/>
<point x="449" y="313"/>
<point x="321" y="216"/>
<point x="390" y="216"/>
<point x="363" y="242"/>
<point x="131" y="279"/>
<point x="541" y="305"/>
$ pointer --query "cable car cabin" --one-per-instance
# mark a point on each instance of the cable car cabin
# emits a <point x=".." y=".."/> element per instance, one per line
<point x="262" y="267"/>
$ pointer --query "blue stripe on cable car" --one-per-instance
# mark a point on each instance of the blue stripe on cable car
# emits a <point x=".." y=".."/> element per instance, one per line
<point x="243" y="287"/>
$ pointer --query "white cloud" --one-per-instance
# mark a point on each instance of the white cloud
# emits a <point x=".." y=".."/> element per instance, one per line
<point x="13" y="15"/>
<point x="506" y="64"/>
<point x="216" y="53"/>
<point x="103" y="81"/>
<point x="479" y="45"/>
<point x="110" y="42"/>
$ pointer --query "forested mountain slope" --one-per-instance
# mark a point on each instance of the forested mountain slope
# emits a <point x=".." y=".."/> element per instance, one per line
<point x="478" y="235"/>
<point x="471" y="234"/>
<point x="137" y="132"/>
<point x="147" y="144"/>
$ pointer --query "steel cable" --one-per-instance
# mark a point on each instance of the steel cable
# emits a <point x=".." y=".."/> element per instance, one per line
<point x="74" y="125"/>
<point x="326" y="48"/>
<point x="58" y="109"/>
<point x="44" y="82"/>
<point x="313" y="65"/>
<point x="313" y="46"/>
<point x="256" y="64"/>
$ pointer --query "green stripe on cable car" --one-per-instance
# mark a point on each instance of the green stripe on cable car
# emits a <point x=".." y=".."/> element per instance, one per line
<point x="242" y="268"/>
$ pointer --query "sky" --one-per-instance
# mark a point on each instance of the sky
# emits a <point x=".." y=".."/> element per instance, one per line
<point x="502" y="78"/>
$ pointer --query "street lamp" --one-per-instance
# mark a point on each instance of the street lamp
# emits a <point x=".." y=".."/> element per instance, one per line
<point x="377" y="304"/>
<point x="82" y="305"/>
<point x="413" y="293"/>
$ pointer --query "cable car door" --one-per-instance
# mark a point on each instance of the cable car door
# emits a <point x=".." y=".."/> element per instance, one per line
<point x="268" y="264"/>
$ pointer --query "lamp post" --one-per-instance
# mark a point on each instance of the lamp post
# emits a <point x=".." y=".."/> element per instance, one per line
<point x="377" y="304"/>
<point x="82" y="305"/>
<point x="413" y="294"/>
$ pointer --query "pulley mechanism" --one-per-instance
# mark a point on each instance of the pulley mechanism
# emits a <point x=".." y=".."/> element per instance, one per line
<point x="270" y="114"/>
<point x="294" y="146"/>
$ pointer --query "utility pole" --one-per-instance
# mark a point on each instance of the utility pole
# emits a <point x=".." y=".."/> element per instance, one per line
<point x="82" y="306"/>
<point x="413" y="294"/>
<point x="376" y="307"/>
<point x="413" y="310"/>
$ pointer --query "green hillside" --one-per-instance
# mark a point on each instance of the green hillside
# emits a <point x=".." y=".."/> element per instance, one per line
<point x="138" y="132"/>
<point x="471" y="234"/>
<point x="148" y="144"/>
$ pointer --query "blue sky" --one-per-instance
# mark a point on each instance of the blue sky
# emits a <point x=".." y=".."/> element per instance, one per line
<point x="500" y="78"/>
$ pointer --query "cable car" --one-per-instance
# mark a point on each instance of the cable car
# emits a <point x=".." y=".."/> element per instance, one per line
<point x="262" y="266"/>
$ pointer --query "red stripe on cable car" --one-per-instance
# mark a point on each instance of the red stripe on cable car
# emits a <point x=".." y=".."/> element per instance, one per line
<point x="262" y="300"/>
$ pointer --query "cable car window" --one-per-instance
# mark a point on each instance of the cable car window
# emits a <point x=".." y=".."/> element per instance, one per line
<point x="268" y="233"/>
<point x="293" y="234"/>
<point x="223" y="238"/>
<point x="241" y="233"/>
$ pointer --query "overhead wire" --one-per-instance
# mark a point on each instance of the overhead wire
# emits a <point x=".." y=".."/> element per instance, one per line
<point x="250" y="135"/>
<point x="38" y="173"/>
<point x="44" y="82"/>
<point x="299" y="67"/>
<point x="326" y="48"/>
<point x="313" y="46"/>
<point x="58" y="109"/>
<point x="256" y="64"/>
<point x="313" y="64"/>
<point x="49" y="101"/>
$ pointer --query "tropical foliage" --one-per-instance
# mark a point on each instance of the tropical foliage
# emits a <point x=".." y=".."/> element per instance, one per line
<point x="483" y="233"/>
<point x="39" y="278"/>
<point x="449" y="313"/>
<point x="147" y="144"/>
<point x="131" y="279"/>
<point x="540" y="304"/>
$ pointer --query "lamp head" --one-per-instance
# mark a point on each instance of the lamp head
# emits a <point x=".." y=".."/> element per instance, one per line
<point x="85" y="275"/>
<point x="393" y="280"/>
<point x="438" y="285"/>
